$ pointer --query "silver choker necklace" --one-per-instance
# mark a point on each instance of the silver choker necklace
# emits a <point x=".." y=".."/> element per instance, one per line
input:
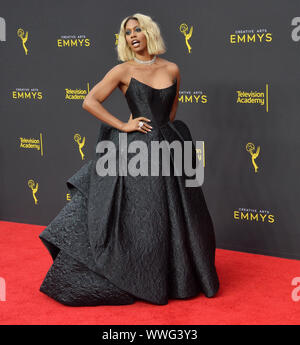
<point x="148" y="62"/>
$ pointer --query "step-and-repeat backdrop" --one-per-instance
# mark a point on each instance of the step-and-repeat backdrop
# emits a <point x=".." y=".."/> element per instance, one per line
<point x="239" y="94"/>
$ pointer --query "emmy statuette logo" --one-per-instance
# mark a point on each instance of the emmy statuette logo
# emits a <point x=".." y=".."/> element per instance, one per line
<point x="187" y="35"/>
<point x="250" y="147"/>
<point x="77" y="139"/>
<point x="34" y="188"/>
<point x="23" y="38"/>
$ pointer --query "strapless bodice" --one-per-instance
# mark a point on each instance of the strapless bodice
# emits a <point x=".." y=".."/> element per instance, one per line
<point x="155" y="104"/>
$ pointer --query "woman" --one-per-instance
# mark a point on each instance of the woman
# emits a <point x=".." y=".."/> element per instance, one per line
<point x="124" y="237"/>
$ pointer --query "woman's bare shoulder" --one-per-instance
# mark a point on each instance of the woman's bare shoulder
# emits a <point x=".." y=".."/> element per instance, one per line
<point x="123" y="67"/>
<point x="118" y="71"/>
<point x="119" y="68"/>
<point x="168" y="63"/>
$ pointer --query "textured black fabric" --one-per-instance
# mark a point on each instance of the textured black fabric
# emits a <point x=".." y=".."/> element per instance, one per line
<point x="123" y="238"/>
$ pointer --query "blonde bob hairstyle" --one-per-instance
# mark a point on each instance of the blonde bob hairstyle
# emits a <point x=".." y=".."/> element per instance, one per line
<point x="150" y="29"/>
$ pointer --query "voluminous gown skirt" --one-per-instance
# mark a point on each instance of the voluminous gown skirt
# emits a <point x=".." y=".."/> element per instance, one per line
<point x="124" y="238"/>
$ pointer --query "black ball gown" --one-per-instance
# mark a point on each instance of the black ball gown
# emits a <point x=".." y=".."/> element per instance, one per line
<point x="124" y="238"/>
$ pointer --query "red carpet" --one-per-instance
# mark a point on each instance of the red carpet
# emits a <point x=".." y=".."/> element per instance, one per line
<point x="255" y="289"/>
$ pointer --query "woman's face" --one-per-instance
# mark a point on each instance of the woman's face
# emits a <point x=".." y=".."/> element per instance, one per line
<point x="133" y="33"/>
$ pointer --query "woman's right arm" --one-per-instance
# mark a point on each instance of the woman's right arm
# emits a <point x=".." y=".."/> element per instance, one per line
<point x="99" y="93"/>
